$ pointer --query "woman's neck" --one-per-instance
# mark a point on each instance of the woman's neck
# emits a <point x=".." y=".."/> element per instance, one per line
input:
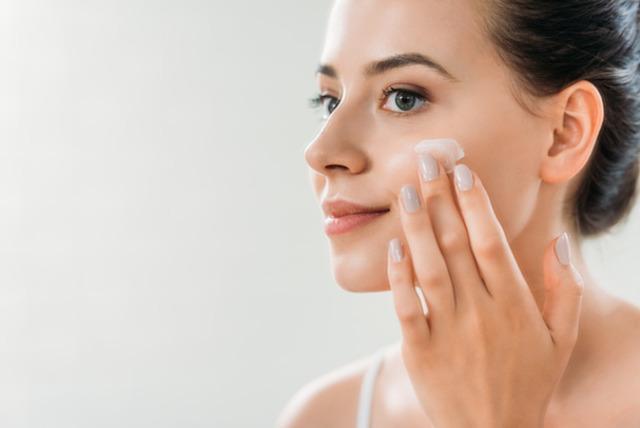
<point x="528" y="249"/>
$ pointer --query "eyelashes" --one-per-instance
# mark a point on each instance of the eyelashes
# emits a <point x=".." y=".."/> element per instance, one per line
<point x="422" y="97"/>
<point x="318" y="101"/>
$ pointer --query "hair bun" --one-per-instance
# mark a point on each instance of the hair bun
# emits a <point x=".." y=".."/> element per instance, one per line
<point x="592" y="40"/>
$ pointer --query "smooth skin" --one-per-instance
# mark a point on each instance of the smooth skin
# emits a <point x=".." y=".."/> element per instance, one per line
<point x="483" y="356"/>
<point x="528" y="160"/>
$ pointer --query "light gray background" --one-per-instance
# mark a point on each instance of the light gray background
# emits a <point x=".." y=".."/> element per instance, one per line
<point x="162" y="258"/>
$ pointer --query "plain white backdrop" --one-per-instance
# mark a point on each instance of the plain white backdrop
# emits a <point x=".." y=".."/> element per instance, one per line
<point x="162" y="259"/>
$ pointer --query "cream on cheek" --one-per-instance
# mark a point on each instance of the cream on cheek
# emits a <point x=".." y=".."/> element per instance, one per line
<point x="447" y="150"/>
<point x="403" y="164"/>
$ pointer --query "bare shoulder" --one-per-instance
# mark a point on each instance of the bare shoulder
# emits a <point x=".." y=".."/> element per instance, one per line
<point x="633" y="332"/>
<point x="624" y="372"/>
<point x="328" y="401"/>
<point x="629" y="414"/>
<point x="629" y="316"/>
<point x="619" y="343"/>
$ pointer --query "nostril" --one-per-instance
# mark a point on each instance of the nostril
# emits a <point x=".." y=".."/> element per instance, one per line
<point x="335" y="166"/>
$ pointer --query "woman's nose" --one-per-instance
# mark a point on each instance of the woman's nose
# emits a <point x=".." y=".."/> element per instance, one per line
<point x="327" y="158"/>
<point x="340" y="145"/>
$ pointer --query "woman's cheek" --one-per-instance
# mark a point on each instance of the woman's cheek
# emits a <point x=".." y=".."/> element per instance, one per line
<point x="512" y="183"/>
<point x="360" y="263"/>
<point x="364" y="266"/>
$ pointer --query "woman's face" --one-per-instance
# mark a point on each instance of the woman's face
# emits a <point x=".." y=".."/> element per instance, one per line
<point x="364" y="150"/>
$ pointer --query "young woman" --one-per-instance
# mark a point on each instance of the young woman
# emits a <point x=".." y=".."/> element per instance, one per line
<point x="544" y="99"/>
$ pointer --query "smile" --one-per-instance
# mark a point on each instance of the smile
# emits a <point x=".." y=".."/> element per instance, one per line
<point x="347" y="223"/>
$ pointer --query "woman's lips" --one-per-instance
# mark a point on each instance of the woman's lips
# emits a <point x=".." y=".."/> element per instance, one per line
<point x="338" y="225"/>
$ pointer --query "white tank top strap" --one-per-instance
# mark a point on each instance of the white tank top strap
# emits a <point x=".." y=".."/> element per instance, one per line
<point x="366" y="389"/>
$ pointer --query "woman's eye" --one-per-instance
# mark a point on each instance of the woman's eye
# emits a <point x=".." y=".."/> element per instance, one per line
<point x="404" y="100"/>
<point x="327" y="102"/>
<point x="398" y="101"/>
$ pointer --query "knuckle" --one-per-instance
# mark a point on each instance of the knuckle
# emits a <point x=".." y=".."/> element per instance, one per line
<point x="397" y="281"/>
<point x="431" y="277"/>
<point x="409" y="315"/>
<point x="452" y="242"/>
<point x="489" y="248"/>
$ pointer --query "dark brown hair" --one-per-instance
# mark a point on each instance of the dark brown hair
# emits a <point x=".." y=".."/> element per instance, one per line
<point x="551" y="44"/>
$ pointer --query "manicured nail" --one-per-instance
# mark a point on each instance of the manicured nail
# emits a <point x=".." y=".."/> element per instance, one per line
<point x="463" y="177"/>
<point x="410" y="198"/>
<point x="428" y="167"/>
<point x="395" y="250"/>
<point x="563" y="252"/>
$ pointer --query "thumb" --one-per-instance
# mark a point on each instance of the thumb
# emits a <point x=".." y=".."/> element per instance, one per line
<point x="563" y="286"/>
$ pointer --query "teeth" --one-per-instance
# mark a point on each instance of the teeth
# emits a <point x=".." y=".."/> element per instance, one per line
<point x="447" y="150"/>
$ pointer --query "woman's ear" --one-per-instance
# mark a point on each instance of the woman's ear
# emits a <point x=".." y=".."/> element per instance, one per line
<point x="579" y="113"/>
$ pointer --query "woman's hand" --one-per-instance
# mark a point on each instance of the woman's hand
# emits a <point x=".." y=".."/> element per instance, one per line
<point x="484" y="355"/>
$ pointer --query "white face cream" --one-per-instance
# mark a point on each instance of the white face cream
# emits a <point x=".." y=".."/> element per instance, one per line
<point x="445" y="150"/>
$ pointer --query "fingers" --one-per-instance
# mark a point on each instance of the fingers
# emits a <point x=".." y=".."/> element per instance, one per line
<point x="563" y="293"/>
<point x="413" y="322"/>
<point x="426" y="259"/>
<point x="489" y="244"/>
<point x="449" y="227"/>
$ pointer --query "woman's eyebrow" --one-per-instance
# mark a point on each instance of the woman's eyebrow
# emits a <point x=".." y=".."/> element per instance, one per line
<point x="395" y="61"/>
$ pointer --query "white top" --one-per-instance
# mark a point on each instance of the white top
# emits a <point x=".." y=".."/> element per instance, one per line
<point x="366" y="389"/>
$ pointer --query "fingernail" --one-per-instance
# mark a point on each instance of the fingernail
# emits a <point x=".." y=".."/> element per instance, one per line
<point x="395" y="250"/>
<point x="577" y="276"/>
<point x="428" y="167"/>
<point x="463" y="177"/>
<point x="410" y="198"/>
<point x="563" y="252"/>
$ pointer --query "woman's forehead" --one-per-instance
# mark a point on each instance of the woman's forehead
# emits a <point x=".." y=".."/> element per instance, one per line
<point x="360" y="31"/>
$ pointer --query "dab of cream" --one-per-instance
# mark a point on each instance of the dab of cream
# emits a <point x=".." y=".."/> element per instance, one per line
<point x="446" y="150"/>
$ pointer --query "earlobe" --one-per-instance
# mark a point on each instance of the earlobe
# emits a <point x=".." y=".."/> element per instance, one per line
<point x="580" y="114"/>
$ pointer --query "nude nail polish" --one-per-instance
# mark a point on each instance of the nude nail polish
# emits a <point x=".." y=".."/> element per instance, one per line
<point x="463" y="177"/>
<point x="563" y="251"/>
<point x="410" y="198"/>
<point x="428" y="167"/>
<point x="395" y="250"/>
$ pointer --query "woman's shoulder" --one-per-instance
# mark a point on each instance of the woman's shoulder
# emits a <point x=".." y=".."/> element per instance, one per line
<point x="631" y="331"/>
<point x="628" y="325"/>
<point x="624" y="368"/>
<point x="615" y="376"/>
<point x="330" y="400"/>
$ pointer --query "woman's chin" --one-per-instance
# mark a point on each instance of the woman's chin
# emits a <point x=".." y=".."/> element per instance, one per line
<point x="361" y="272"/>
